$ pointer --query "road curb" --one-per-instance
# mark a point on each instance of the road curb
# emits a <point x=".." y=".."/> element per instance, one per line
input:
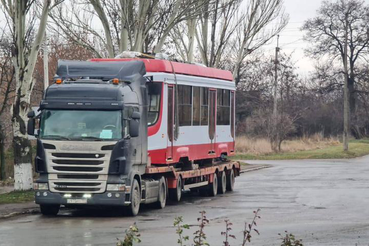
<point x="257" y="167"/>
<point x="12" y="214"/>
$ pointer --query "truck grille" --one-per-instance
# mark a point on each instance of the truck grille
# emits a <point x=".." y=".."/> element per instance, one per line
<point x="81" y="186"/>
<point x="76" y="167"/>
<point x="79" y="163"/>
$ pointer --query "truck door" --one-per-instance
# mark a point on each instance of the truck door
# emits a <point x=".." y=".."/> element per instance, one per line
<point x="212" y="119"/>
<point x="170" y="122"/>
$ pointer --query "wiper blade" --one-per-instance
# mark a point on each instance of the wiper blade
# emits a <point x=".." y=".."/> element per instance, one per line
<point x="55" y="137"/>
<point x="88" y="138"/>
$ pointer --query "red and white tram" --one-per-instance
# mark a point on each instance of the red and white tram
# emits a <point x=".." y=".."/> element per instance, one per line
<point x="191" y="113"/>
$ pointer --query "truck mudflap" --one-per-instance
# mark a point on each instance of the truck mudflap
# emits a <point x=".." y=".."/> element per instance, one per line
<point x="103" y="199"/>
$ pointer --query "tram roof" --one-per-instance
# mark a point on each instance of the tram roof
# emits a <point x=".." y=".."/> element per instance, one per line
<point x="165" y="66"/>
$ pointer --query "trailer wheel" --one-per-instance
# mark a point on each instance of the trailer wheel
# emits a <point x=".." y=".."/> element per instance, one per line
<point x="134" y="207"/>
<point x="213" y="187"/>
<point x="230" y="180"/>
<point x="162" y="196"/>
<point x="49" y="210"/>
<point x="222" y="183"/>
<point x="176" y="193"/>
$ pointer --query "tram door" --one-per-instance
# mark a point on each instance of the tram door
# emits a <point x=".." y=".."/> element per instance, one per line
<point x="170" y="122"/>
<point x="212" y="119"/>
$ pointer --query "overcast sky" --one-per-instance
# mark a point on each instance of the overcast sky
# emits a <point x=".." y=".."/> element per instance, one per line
<point x="291" y="38"/>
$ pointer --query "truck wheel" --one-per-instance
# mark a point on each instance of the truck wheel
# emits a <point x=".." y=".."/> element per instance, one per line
<point x="213" y="187"/>
<point x="176" y="193"/>
<point x="134" y="207"/>
<point x="222" y="183"/>
<point x="162" y="196"/>
<point x="230" y="180"/>
<point x="49" y="210"/>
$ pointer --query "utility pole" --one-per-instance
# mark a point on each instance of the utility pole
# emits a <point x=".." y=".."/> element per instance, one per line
<point x="346" y="106"/>
<point x="46" y="65"/>
<point x="275" y="102"/>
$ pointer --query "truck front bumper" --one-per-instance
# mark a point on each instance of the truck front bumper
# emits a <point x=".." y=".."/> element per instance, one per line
<point x="108" y="198"/>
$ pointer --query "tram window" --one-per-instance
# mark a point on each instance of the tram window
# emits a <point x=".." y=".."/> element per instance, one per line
<point x="196" y="106"/>
<point x="204" y="106"/>
<point x="223" y="107"/>
<point x="154" y="91"/>
<point x="185" y="105"/>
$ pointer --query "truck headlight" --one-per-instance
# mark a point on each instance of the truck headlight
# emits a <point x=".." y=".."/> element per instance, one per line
<point x="40" y="186"/>
<point x="116" y="187"/>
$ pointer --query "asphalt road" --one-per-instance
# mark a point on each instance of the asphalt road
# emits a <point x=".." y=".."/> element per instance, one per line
<point x="321" y="202"/>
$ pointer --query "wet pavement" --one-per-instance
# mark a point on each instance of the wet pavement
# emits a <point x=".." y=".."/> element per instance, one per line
<point x="321" y="202"/>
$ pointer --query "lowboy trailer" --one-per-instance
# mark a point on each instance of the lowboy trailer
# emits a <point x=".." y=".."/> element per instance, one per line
<point x="121" y="132"/>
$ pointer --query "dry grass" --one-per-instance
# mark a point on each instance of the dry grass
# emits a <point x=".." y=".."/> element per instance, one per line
<point x="261" y="146"/>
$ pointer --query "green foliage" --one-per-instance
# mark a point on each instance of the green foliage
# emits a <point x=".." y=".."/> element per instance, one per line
<point x="132" y="236"/>
<point x="290" y="240"/>
<point x="17" y="197"/>
<point x="179" y="231"/>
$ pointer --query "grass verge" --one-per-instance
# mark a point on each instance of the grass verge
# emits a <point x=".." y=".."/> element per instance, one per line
<point x="357" y="148"/>
<point x="17" y="197"/>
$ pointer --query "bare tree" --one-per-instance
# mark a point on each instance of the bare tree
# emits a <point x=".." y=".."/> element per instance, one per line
<point x="326" y="33"/>
<point x="28" y="32"/>
<point x="125" y="25"/>
<point x="6" y="94"/>
<point x="217" y="24"/>
<point x="253" y="33"/>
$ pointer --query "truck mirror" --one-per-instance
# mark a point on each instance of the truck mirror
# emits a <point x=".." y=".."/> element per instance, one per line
<point x="134" y="126"/>
<point x="31" y="127"/>
<point x="31" y="114"/>
<point x="136" y="115"/>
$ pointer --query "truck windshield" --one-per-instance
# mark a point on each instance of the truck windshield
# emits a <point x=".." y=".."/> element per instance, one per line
<point x="83" y="125"/>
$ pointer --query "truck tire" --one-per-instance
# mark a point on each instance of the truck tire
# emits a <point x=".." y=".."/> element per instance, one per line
<point x="162" y="196"/>
<point x="134" y="207"/>
<point x="230" y="180"/>
<point x="213" y="187"/>
<point x="49" y="210"/>
<point x="176" y="193"/>
<point x="222" y="183"/>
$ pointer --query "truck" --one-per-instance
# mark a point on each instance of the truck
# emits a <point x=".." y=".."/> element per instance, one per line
<point x="131" y="131"/>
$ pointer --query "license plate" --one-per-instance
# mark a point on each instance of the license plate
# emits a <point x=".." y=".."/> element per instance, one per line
<point x="77" y="201"/>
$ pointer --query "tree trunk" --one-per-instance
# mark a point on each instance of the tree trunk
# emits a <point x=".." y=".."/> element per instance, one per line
<point x="23" y="179"/>
<point x="24" y="64"/>
<point x="105" y="23"/>
<point x="2" y="154"/>
<point x="140" y="25"/>
<point x="351" y="88"/>
<point x="123" y="40"/>
<point x="191" y="23"/>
